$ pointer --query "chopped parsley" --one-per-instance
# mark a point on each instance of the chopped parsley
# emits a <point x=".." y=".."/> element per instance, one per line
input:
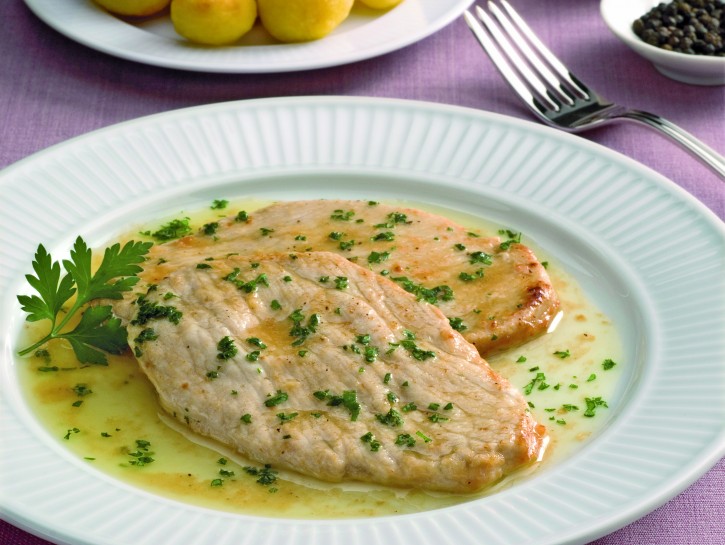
<point x="385" y="235"/>
<point x="254" y="341"/>
<point x="480" y="257"/>
<point x="142" y="455"/>
<point x="457" y="324"/>
<point x="210" y="229"/>
<point x="276" y="399"/>
<point x="147" y="334"/>
<point x="82" y="390"/>
<point x="405" y="440"/>
<point x="348" y="400"/>
<point x="299" y="331"/>
<point x="227" y="349"/>
<point x="378" y="257"/>
<point x="369" y="438"/>
<point x="430" y="295"/>
<point x="513" y="238"/>
<point x="248" y="286"/>
<point x="265" y="475"/>
<point x="539" y="382"/>
<point x="412" y="348"/>
<point x="172" y="230"/>
<point x="410" y="406"/>
<point x="423" y="436"/>
<point x="608" y="364"/>
<point x="284" y="417"/>
<point x="394" y="218"/>
<point x="468" y="277"/>
<point x="592" y="404"/>
<point x="341" y="215"/>
<point x="392" y="418"/>
<point x="148" y="310"/>
<point x="370" y="354"/>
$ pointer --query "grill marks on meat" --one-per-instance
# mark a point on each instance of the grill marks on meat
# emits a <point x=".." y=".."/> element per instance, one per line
<point x="350" y="341"/>
<point x="503" y="297"/>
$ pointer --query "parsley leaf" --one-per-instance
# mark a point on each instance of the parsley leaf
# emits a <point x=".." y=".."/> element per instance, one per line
<point x="97" y="329"/>
<point x="53" y="291"/>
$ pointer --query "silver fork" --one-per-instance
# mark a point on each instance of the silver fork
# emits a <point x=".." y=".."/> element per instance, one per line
<point x="552" y="92"/>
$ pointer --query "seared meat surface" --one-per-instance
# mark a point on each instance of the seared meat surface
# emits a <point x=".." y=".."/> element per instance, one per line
<point x="497" y="293"/>
<point x="310" y="362"/>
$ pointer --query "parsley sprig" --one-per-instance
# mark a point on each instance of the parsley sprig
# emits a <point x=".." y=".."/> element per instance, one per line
<point x="97" y="328"/>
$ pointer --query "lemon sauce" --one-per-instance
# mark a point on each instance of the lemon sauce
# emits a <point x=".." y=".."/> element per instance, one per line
<point x="110" y="417"/>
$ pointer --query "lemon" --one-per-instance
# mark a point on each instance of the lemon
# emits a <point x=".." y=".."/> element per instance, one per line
<point x="302" y="20"/>
<point x="136" y="8"/>
<point x="381" y="4"/>
<point x="213" y="22"/>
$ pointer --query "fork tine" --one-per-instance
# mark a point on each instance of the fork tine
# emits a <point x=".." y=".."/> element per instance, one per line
<point x="488" y="46"/>
<point x="486" y="38"/>
<point x="555" y="83"/>
<point x="562" y="71"/>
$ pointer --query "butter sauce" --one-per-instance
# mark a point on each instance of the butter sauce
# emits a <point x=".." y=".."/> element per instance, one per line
<point x="109" y="426"/>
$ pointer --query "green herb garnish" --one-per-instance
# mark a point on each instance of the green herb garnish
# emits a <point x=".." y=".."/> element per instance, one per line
<point x="608" y="364"/>
<point x="369" y="438"/>
<point x="431" y="295"/>
<point x="348" y="400"/>
<point x="97" y="328"/>
<point x="276" y="399"/>
<point x="226" y="348"/>
<point x="170" y="231"/>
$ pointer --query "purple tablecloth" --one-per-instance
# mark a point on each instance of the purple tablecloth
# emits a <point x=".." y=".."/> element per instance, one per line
<point x="52" y="89"/>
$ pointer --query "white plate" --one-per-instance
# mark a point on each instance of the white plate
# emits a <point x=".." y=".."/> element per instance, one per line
<point x="650" y="255"/>
<point x="366" y="33"/>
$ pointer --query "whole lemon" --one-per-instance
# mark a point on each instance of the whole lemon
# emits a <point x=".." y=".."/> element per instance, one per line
<point x="135" y="8"/>
<point x="381" y="4"/>
<point x="302" y="20"/>
<point x="213" y="22"/>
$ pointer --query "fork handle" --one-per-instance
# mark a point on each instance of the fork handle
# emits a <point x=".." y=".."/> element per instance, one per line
<point x="704" y="153"/>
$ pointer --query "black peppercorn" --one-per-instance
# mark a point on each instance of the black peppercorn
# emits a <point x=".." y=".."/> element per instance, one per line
<point x="696" y="27"/>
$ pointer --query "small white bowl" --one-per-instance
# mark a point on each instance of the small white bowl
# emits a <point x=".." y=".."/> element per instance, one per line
<point x="695" y="69"/>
